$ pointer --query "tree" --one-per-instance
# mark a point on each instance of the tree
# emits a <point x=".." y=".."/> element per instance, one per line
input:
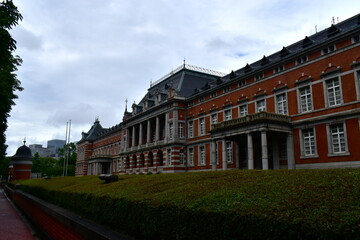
<point x="9" y="17"/>
<point x="46" y="166"/>
<point x="70" y="148"/>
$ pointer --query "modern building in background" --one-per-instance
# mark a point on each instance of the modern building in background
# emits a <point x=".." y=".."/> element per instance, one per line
<point x="296" y="108"/>
<point x="52" y="149"/>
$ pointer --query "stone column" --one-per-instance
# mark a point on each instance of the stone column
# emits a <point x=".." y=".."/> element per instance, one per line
<point x="264" y="150"/>
<point x="157" y="129"/>
<point x="290" y="151"/>
<point x="224" y="160"/>
<point x="275" y="150"/>
<point x="166" y="136"/>
<point x="213" y="155"/>
<point x="148" y="137"/>
<point x="250" y="151"/>
<point x="133" y="136"/>
<point x="140" y="135"/>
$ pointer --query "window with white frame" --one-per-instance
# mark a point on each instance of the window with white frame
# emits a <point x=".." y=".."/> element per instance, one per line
<point x="227" y="115"/>
<point x="168" y="157"/>
<point x="214" y="118"/>
<point x="356" y="39"/>
<point x="281" y="104"/>
<point x="201" y="126"/>
<point x="260" y="105"/>
<point x="181" y="130"/>
<point x="243" y="110"/>
<point x="337" y="137"/>
<point x="191" y="156"/>
<point x="279" y="69"/>
<point x="229" y="152"/>
<point x="226" y="89"/>
<point x="191" y="129"/>
<point x="308" y="139"/>
<point x="171" y="130"/>
<point x="328" y="49"/>
<point x="202" y="155"/>
<point x="259" y="77"/>
<point x="301" y="60"/>
<point x="305" y="99"/>
<point x="333" y="92"/>
<point x="182" y="157"/>
<point x="213" y="94"/>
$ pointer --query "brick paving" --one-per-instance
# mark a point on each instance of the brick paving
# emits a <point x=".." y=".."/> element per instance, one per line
<point x="12" y="225"/>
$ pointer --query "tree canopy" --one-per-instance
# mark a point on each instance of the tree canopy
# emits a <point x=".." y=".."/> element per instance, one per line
<point x="9" y="17"/>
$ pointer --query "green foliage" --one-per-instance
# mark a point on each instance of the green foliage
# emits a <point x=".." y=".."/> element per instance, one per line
<point x="70" y="148"/>
<point x="4" y="167"/>
<point x="253" y="204"/>
<point x="9" y="17"/>
<point x="46" y="166"/>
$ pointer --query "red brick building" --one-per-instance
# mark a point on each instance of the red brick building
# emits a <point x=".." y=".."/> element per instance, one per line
<point x="297" y="108"/>
<point x="20" y="164"/>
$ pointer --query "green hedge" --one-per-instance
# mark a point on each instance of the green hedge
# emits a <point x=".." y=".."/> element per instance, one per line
<point x="281" y="204"/>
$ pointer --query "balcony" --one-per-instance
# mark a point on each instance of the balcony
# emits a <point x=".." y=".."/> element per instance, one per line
<point x="260" y="117"/>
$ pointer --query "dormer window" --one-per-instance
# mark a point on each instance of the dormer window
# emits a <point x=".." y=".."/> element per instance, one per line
<point x="279" y="69"/>
<point x="328" y="49"/>
<point x="241" y="83"/>
<point x="201" y="99"/>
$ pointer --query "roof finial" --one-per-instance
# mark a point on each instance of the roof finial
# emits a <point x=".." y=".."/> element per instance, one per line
<point x="97" y="118"/>
<point x="126" y="101"/>
<point x="24" y="140"/>
<point x="184" y="62"/>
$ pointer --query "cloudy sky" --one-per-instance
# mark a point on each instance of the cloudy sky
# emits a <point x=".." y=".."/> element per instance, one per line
<point x="83" y="58"/>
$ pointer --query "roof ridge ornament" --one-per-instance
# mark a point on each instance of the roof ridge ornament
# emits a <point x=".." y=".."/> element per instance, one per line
<point x="284" y="51"/>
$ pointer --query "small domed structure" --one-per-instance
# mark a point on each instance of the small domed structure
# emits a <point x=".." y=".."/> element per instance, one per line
<point x="21" y="164"/>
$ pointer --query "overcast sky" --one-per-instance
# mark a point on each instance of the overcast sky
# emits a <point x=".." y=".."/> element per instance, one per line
<point x="83" y="58"/>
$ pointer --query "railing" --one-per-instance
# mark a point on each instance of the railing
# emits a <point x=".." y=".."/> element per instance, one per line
<point x="190" y="67"/>
<point x="261" y="116"/>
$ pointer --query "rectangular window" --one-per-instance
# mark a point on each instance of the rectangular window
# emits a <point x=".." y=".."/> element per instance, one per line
<point x="213" y="94"/>
<point x="214" y="118"/>
<point x="171" y="129"/>
<point x="305" y="99"/>
<point x="328" y="49"/>
<point x="191" y="129"/>
<point x="202" y="155"/>
<point x="227" y="115"/>
<point x="338" y="138"/>
<point x="182" y="157"/>
<point x="191" y="156"/>
<point x="201" y="126"/>
<point x="333" y="92"/>
<point x="168" y="157"/>
<point x="309" y="141"/>
<point x="241" y="83"/>
<point x="259" y="77"/>
<point x="356" y="39"/>
<point x="226" y="89"/>
<point x="281" y="103"/>
<point x="260" y="105"/>
<point x="243" y="110"/>
<point x="181" y="130"/>
<point x="279" y="69"/>
<point x="301" y="60"/>
<point x="229" y="152"/>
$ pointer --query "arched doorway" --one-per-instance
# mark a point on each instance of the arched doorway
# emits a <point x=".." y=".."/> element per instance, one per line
<point x="151" y="159"/>
<point x="134" y="160"/>
<point x="142" y="160"/>
<point x="160" y="157"/>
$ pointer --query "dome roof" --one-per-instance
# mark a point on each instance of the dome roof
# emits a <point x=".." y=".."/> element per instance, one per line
<point x="23" y="152"/>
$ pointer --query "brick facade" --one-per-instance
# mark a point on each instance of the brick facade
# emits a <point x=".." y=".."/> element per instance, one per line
<point x="297" y="108"/>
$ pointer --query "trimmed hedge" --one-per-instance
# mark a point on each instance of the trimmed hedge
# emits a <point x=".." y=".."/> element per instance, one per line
<point x="251" y="204"/>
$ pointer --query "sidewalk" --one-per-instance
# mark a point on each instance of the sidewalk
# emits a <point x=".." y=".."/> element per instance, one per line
<point x="12" y="226"/>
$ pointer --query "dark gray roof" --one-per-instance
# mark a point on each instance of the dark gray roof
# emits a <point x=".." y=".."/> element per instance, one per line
<point x="95" y="129"/>
<point x="306" y="44"/>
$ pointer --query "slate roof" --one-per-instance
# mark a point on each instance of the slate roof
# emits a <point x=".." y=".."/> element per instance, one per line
<point x="307" y="43"/>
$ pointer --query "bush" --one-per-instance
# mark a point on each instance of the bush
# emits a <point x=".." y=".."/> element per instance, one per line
<point x="281" y="204"/>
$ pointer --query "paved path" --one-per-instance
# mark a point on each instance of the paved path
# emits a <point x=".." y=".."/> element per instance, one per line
<point x="12" y="226"/>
